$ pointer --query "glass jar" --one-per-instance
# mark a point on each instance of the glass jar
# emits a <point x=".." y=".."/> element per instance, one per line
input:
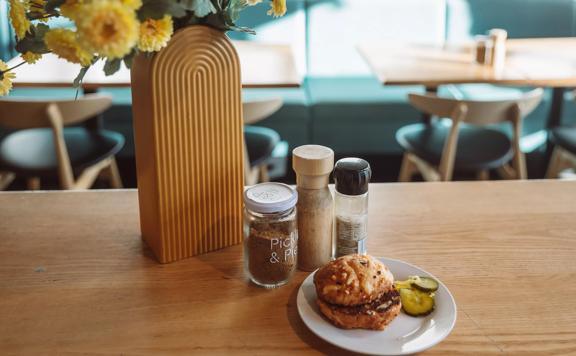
<point x="270" y="234"/>
<point x="352" y="178"/>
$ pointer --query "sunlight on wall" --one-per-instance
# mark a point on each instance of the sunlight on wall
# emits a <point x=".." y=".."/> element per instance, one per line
<point x="335" y="29"/>
<point x="459" y="20"/>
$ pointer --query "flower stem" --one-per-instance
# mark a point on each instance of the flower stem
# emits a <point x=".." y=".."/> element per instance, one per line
<point x="16" y="66"/>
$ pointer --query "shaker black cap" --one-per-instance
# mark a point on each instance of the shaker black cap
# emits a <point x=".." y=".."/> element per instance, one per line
<point x="352" y="176"/>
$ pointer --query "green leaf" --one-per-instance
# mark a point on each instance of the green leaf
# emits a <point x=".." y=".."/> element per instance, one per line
<point x="112" y="66"/>
<point x="80" y="77"/>
<point x="40" y="30"/>
<point x="201" y="8"/>
<point x="129" y="59"/>
<point x="157" y="9"/>
<point x="242" y="29"/>
<point x="234" y="8"/>
<point x="34" y="40"/>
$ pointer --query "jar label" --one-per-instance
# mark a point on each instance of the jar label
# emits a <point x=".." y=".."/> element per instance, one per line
<point x="351" y="228"/>
<point x="271" y="255"/>
<point x="283" y="250"/>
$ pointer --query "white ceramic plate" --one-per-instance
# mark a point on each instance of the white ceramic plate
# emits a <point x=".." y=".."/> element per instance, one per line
<point x="405" y="335"/>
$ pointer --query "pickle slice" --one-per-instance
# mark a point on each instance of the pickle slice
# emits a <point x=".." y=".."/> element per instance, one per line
<point x="416" y="303"/>
<point x="402" y="284"/>
<point x="425" y="284"/>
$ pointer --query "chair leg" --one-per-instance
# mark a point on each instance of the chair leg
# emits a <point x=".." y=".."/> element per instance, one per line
<point x="263" y="173"/>
<point x="33" y="183"/>
<point x="506" y="172"/>
<point x="5" y="179"/>
<point x="483" y="175"/>
<point x="407" y="169"/>
<point x="555" y="164"/>
<point x="114" y="175"/>
<point x="253" y="176"/>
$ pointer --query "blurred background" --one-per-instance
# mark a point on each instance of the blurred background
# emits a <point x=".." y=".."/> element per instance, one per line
<point x="341" y="104"/>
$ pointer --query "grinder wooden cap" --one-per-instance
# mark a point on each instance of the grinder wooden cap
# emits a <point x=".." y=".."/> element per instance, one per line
<point x="312" y="160"/>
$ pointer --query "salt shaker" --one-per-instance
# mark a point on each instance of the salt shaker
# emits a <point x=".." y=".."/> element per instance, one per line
<point x="498" y="37"/>
<point x="313" y="165"/>
<point x="483" y="49"/>
<point x="352" y="177"/>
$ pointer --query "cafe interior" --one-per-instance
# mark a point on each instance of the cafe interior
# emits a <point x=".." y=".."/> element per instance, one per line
<point x="133" y="182"/>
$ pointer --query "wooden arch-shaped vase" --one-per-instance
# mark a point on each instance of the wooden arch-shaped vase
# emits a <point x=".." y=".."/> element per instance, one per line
<point x="187" y="111"/>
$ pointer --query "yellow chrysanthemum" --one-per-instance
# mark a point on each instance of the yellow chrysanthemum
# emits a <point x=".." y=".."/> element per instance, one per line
<point x="155" y="34"/>
<point x="31" y="57"/>
<point x="63" y="43"/>
<point x="133" y="4"/>
<point x="5" y="79"/>
<point x="278" y="8"/>
<point x="70" y="8"/>
<point x="37" y="9"/>
<point x="18" y="18"/>
<point x="108" y="28"/>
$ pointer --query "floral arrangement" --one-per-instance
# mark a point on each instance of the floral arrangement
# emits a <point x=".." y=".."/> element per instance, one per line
<point x="112" y="30"/>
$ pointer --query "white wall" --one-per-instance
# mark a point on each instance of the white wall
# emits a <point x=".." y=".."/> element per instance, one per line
<point x="337" y="27"/>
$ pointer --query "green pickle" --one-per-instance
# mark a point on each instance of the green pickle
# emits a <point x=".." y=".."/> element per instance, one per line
<point x="416" y="302"/>
<point x="402" y="284"/>
<point x="417" y="295"/>
<point x="425" y="284"/>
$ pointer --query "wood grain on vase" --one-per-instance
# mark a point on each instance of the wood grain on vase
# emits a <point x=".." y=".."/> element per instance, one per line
<point x="188" y="133"/>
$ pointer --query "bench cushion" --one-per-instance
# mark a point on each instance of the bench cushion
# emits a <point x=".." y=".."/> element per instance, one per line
<point x="359" y="115"/>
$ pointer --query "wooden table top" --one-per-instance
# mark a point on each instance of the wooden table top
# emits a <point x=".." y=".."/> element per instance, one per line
<point x="549" y="62"/>
<point x="75" y="276"/>
<point x="262" y="65"/>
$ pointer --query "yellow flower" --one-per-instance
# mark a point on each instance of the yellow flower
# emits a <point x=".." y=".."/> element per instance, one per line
<point x="63" y="43"/>
<point x="155" y="34"/>
<point x="5" y="79"/>
<point x="70" y="8"/>
<point x="278" y="8"/>
<point x="133" y="4"/>
<point x="18" y="18"/>
<point x="31" y="57"/>
<point x="107" y="27"/>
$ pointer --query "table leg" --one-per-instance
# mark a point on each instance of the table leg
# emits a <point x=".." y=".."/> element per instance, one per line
<point x="554" y="118"/>
<point x="426" y="118"/>
<point x="95" y="123"/>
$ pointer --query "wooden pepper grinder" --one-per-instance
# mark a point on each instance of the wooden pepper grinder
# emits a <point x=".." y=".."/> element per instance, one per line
<point x="313" y="164"/>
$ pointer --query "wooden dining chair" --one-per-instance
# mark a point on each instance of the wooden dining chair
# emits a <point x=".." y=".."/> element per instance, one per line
<point x="259" y="142"/>
<point x="43" y="147"/>
<point x="437" y="150"/>
<point x="564" y="155"/>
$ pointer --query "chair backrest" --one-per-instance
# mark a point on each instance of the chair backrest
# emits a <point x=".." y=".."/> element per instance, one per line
<point x="478" y="112"/>
<point x="256" y="110"/>
<point x="26" y="113"/>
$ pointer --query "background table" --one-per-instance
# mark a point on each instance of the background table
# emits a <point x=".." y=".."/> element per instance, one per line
<point x="262" y="65"/>
<point x="548" y="62"/>
<point x="75" y="276"/>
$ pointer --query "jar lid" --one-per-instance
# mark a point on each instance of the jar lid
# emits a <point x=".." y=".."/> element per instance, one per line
<point x="312" y="160"/>
<point x="352" y="176"/>
<point x="268" y="198"/>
